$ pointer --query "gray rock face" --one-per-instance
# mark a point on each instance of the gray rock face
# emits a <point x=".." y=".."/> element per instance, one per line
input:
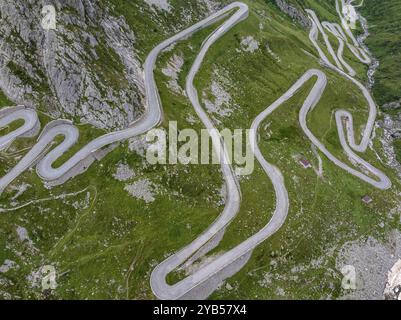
<point x="393" y="286"/>
<point x="294" y="13"/>
<point x="87" y="68"/>
<point x="392" y="132"/>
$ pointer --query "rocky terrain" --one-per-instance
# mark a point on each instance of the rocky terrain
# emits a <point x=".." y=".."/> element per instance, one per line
<point x="393" y="286"/>
<point x="374" y="265"/>
<point x="105" y="230"/>
<point x="85" y="69"/>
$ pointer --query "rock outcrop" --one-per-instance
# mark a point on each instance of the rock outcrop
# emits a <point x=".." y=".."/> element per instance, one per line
<point x="392" y="132"/>
<point x="86" y="69"/>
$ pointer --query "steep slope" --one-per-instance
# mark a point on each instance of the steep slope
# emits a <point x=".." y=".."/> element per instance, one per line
<point x="384" y="41"/>
<point x="105" y="230"/>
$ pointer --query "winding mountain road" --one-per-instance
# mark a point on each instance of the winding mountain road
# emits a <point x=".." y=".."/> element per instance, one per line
<point x="205" y="280"/>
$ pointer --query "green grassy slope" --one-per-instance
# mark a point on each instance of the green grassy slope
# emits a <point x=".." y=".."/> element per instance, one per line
<point x="104" y="243"/>
<point x="3" y="100"/>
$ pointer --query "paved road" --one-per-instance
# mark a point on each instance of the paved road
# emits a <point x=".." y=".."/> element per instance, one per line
<point x="202" y="282"/>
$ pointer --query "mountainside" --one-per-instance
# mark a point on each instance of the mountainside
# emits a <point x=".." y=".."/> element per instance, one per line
<point x="87" y="70"/>
<point x="384" y="41"/>
<point x="106" y="230"/>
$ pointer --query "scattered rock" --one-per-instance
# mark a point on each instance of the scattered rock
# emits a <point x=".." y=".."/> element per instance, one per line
<point x="270" y="51"/>
<point x="229" y="287"/>
<point x="23" y="234"/>
<point x="20" y="190"/>
<point x="222" y="105"/>
<point x="138" y="145"/>
<point x="211" y="5"/>
<point x="280" y="292"/>
<point x="393" y="286"/>
<point x="84" y="204"/>
<point x="391" y="131"/>
<point x="199" y="264"/>
<point x="61" y="68"/>
<point x="395" y="105"/>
